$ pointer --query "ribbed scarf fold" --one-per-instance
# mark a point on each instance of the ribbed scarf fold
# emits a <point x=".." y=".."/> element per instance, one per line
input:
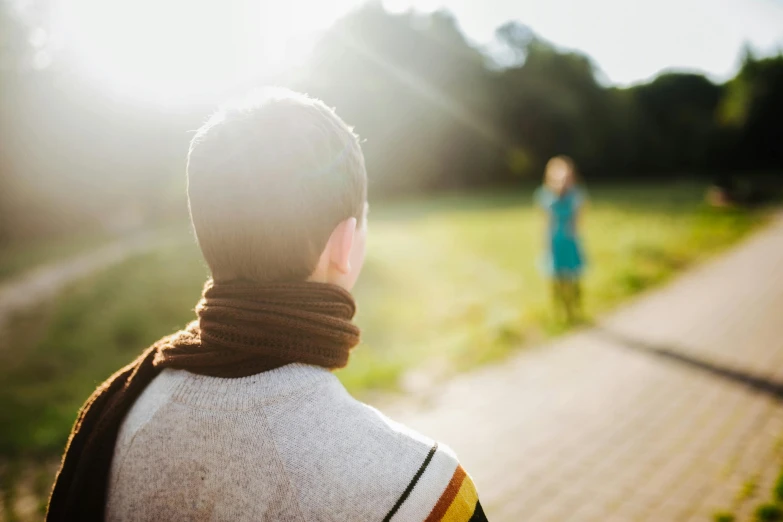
<point x="242" y="329"/>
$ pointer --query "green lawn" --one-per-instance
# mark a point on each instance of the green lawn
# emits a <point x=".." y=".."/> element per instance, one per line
<point x="449" y="284"/>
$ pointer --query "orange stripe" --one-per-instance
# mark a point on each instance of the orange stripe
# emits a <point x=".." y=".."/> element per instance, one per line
<point x="461" y="510"/>
<point x="448" y="495"/>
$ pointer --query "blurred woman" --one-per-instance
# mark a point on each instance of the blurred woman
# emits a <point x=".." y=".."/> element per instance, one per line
<point x="562" y="201"/>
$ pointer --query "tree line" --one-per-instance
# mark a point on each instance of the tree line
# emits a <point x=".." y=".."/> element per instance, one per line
<point x="435" y="112"/>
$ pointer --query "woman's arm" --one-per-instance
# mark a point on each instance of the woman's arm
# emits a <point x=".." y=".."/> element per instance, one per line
<point x="579" y="208"/>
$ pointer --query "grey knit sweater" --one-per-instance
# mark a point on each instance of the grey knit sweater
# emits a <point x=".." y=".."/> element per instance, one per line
<point x="285" y="445"/>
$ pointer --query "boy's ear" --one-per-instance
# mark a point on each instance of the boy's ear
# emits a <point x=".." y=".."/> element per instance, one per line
<point x="341" y="244"/>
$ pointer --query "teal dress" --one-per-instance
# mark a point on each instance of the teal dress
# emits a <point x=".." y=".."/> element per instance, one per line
<point x="564" y="257"/>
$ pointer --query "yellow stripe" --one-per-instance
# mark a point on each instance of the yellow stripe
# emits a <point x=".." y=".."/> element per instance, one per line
<point x="464" y="504"/>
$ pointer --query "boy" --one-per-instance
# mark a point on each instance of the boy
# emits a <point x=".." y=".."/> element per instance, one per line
<point x="238" y="417"/>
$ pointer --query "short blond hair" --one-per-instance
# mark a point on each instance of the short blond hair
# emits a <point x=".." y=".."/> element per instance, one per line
<point x="269" y="178"/>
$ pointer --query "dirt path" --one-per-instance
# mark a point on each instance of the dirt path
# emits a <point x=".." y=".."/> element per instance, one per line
<point x="669" y="410"/>
<point x="43" y="283"/>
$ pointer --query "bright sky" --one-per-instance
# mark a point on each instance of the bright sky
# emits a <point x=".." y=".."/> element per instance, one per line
<point x="633" y="40"/>
<point x="174" y="50"/>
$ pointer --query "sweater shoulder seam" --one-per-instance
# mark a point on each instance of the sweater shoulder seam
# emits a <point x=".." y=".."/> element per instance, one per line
<point x="280" y="460"/>
<point x="260" y="403"/>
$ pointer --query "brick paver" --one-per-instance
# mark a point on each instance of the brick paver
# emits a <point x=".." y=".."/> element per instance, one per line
<point x="665" y="411"/>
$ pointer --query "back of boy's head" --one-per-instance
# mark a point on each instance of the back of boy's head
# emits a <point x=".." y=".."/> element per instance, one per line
<point x="269" y="179"/>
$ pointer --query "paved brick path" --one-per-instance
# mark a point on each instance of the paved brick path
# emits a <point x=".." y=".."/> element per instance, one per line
<point x="666" y="411"/>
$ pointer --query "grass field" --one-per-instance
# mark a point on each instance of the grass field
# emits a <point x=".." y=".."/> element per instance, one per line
<point x="449" y="284"/>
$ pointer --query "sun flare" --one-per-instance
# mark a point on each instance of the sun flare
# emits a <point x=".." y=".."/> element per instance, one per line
<point x="180" y="51"/>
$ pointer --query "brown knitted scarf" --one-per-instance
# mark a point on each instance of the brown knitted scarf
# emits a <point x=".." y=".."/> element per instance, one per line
<point x="242" y="329"/>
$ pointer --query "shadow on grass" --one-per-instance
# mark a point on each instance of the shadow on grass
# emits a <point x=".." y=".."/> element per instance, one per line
<point x="755" y="383"/>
